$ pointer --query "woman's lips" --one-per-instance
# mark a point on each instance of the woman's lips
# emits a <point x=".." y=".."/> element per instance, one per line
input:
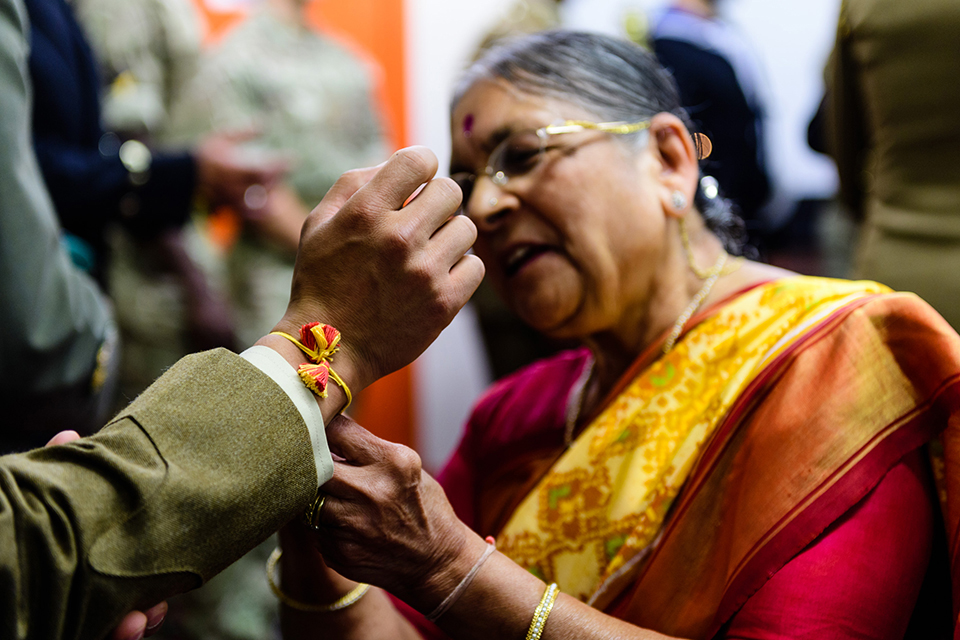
<point x="522" y="255"/>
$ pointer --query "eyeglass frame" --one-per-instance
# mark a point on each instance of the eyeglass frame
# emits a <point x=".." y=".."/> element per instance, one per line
<point x="500" y="177"/>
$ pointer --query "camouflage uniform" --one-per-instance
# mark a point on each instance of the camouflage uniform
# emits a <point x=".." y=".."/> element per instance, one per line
<point x="148" y="51"/>
<point x="311" y="100"/>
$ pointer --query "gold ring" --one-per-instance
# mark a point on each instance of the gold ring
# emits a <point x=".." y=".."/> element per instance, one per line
<point x="312" y="514"/>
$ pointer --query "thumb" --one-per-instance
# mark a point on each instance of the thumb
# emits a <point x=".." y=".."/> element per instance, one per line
<point x="355" y="444"/>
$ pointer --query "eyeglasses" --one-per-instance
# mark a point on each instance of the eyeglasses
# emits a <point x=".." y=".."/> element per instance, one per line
<point x="521" y="152"/>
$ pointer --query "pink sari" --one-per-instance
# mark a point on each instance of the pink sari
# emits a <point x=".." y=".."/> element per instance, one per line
<point x="819" y="451"/>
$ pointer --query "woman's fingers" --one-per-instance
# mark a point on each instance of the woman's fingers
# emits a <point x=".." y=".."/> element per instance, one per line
<point x="349" y="440"/>
<point x="63" y="438"/>
<point x="155" y="617"/>
<point x="140" y="624"/>
<point x="373" y="470"/>
<point x="132" y="627"/>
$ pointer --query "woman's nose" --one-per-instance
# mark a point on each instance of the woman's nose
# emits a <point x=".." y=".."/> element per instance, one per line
<point x="487" y="204"/>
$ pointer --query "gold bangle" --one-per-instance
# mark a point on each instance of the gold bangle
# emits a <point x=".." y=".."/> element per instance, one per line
<point x="542" y="612"/>
<point x="348" y="599"/>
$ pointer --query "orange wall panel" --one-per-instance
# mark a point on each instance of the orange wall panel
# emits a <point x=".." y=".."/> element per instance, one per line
<point x="377" y="28"/>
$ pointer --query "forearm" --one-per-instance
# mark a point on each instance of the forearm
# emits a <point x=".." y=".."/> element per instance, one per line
<point x="201" y="468"/>
<point x="501" y="600"/>
<point x="302" y="576"/>
<point x="372" y="618"/>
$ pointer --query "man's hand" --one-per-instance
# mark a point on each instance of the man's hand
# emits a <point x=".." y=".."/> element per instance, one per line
<point x="390" y="277"/>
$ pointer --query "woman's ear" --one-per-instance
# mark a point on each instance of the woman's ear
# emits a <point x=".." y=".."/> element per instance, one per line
<point x="679" y="169"/>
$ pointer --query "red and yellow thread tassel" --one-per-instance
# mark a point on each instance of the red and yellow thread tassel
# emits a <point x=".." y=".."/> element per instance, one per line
<point x="319" y="342"/>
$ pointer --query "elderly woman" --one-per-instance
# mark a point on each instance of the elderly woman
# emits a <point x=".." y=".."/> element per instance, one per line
<point x="735" y="452"/>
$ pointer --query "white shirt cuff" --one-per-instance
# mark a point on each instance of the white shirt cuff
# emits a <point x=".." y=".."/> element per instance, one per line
<point x="279" y="370"/>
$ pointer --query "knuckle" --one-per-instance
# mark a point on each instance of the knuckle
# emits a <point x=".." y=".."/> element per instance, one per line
<point x="396" y="244"/>
<point x="421" y="271"/>
<point x="407" y="461"/>
<point x="449" y="303"/>
<point x="448" y="189"/>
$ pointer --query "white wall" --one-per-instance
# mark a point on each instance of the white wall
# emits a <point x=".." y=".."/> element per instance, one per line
<point x="793" y="40"/>
<point x="441" y="37"/>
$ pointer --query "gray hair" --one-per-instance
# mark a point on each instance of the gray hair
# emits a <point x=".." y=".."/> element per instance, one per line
<point x="613" y="79"/>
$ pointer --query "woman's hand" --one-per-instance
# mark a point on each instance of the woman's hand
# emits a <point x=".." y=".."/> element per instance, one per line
<point x="387" y="522"/>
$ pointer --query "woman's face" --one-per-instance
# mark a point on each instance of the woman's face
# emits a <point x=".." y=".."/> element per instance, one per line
<point x="573" y="246"/>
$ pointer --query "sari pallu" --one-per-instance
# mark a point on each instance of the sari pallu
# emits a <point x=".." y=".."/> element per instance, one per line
<point x="849" y="389"/>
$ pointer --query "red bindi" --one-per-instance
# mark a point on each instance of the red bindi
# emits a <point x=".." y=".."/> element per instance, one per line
<point x="468" y="126"/>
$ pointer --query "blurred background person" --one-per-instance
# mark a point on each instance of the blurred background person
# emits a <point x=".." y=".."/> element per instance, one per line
<point x="720" y="87"/>
<point x="894" y="129"/>
<point x="98" y="181"/>
<point x="57" y="334"/>
<point x="524" y="17"/>
<point x="168" y="298"/>
<point x="310" y="100"/>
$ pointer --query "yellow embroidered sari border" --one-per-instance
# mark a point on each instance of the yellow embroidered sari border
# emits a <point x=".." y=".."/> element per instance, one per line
<point x="594" y="517"/>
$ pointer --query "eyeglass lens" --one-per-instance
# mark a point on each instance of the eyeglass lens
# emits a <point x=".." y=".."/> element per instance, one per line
<point x="517" y="155"/>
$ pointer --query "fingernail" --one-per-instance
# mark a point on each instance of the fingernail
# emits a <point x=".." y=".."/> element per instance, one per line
<point x="156" y="623"/>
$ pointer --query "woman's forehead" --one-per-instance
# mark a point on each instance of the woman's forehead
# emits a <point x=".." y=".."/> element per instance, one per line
<point x="491" y="109"/>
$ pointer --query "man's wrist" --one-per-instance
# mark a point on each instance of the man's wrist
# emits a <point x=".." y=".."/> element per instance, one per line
<point x="341" y="362"/>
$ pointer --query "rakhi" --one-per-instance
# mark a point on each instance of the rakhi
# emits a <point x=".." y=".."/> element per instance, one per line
<point x="319" y="342"/>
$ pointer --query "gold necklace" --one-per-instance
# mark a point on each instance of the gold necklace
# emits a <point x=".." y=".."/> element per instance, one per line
<point x="575" y="404"/>
<point x="716" y="271"/>
<point x="704" y="274"/>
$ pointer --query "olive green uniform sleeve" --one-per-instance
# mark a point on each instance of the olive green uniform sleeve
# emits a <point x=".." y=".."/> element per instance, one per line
<point x="206" y="464"/>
